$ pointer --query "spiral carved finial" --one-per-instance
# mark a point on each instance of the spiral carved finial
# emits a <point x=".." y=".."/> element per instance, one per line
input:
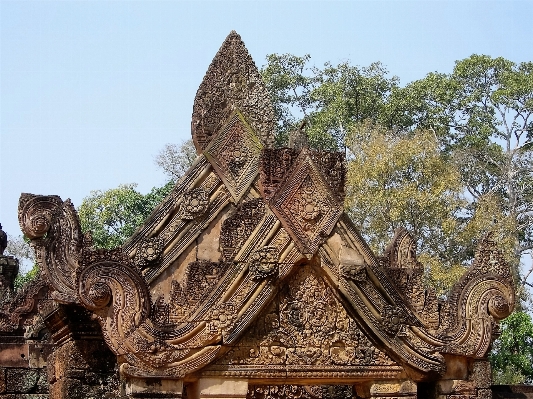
<point x="38" y="225"/>
<point x="99" y="294"/>
<point x="499" y="307"/>
<point x="36" y="213"/>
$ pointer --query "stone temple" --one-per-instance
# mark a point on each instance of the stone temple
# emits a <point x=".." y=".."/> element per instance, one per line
<point x="248" y="281"/>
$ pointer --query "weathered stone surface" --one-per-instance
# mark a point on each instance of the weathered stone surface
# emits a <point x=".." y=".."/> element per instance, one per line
<point x="145" y="388"/>
<point x="481" y="374"/>
<point x="215" y="388"/>
<point x="249" y="271"/>
<point x="513" y="391"/>
<point x="14" y="355"/>
<point x="484" y="394"/>
<point x="22" y="380"/>
<point x="38" y="354"/>
<point x="384" y="388"/>
<point x="2" y="380"/>
<point x="231" y="82"/>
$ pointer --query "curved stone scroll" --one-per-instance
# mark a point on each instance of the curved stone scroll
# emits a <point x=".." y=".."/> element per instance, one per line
<point x="55" y="233"/>
<point x="108" y="284"/>
<point x="482" y="297"/>
<point x="468" y="319"/>
<point x="124" y="290"/>
<point x="13" y="313"/>
<point x="117" y="294"/>
<point x="231" y="81"/>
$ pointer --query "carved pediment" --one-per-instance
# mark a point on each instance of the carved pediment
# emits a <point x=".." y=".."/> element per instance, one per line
<point x="234" y="154"/>
<point x="306" y="199"/>
<point x="250" y="266"/>
<point x="304" y="330"/>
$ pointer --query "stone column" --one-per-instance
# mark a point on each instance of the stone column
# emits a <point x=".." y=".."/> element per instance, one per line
<point x="154" y="388"/>
<point x="218" y="388"/>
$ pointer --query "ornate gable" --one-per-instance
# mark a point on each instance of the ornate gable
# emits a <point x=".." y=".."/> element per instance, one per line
<point x="250" y="269"/>
<point x="231" y="82"/>
<point x="302" y="332"/>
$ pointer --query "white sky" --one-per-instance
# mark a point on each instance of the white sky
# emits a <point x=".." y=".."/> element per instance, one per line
<point x="90" y="91"/>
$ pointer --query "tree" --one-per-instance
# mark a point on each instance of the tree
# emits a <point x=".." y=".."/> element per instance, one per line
<point x="404" y="181"/>
<point x="287" y="79"/>
<point x="331" y="99"/>
<point x="19" y="247"/>
<point x="482" y="114"/>
<point x="112" y="216"/>
<point x="512" y="354"/>
<point x="175" y="159"/>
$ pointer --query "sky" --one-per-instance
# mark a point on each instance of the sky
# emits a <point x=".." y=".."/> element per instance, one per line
<point x="90" y="91"/>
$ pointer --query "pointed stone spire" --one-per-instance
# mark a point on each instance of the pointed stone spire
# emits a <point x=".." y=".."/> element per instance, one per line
<point x="231" y="82"/>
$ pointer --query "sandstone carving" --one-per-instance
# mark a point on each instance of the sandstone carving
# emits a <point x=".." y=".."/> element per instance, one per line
<point x="248" y="280"/>
<point x="231" y="82"/>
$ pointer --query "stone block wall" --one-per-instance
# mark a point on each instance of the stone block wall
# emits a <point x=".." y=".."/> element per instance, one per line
<point x="23" y="383"/>
<point x="83" y="369"/>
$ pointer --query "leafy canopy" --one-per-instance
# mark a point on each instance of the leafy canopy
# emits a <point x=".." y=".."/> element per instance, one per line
<point x="112" y="216"/>
<point x="512" y="355"/>
<point x="331" y="99"/>
<point x="175" y="159"/>
<point x="480" y="115"/>
<point x="396" y="181"/>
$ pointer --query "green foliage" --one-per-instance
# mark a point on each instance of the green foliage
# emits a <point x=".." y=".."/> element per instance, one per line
<point x="112" y="216"/>
<point x="286" y="78"/>
<point x="512" y="354"/>
<point x="24" y="278"/>
<point x="396" y="181"/>
<point x="331" y="99"/>
<point x="481" y="115"/>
